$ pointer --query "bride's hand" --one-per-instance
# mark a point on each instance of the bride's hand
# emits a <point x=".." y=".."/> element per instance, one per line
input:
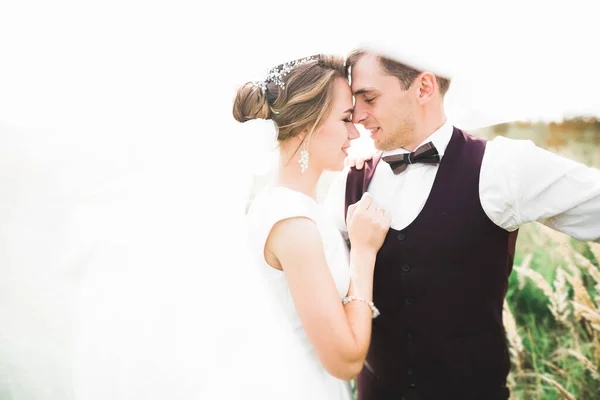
<point x="367" y="224"/>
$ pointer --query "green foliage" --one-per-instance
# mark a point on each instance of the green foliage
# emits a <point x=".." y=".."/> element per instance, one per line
<point x="550" y="345"/>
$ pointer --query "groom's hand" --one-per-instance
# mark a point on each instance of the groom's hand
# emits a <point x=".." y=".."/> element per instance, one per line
<point x="357" y="162"/>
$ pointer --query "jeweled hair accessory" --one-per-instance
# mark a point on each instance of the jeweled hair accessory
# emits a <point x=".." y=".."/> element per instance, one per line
<point x="276" y="74"/>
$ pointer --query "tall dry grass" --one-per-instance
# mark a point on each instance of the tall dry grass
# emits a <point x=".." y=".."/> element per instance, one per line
<point x="552" y="318"/>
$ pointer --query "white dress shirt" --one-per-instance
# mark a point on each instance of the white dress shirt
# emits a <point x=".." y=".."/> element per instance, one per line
<point x="519" y="183"/>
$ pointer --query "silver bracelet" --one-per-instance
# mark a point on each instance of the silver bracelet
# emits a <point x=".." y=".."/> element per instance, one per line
<point x="371" y="305"/>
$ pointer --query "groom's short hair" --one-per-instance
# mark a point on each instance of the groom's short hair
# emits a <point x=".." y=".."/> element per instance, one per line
<point x="405" y="73"/>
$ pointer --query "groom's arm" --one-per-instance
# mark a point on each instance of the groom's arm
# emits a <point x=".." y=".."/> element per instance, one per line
<point x="521" y="182"/>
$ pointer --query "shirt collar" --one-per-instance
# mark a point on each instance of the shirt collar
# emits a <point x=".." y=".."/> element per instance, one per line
<point x="440" y="139"/>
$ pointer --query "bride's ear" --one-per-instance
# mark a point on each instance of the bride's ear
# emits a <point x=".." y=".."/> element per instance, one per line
<point x="307" y="136"/>
<point x="302" y="139"/>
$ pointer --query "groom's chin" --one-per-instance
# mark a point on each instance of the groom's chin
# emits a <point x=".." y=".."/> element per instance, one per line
<point x="379" y="146"/>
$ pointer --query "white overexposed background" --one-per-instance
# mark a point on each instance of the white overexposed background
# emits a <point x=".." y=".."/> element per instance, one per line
<point x="123" y="175"/>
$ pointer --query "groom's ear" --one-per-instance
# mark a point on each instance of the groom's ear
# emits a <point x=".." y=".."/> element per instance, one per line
<point x="426" y="86"/>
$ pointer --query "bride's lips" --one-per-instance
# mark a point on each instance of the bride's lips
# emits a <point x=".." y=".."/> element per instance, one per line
<point x="345" y="149"/>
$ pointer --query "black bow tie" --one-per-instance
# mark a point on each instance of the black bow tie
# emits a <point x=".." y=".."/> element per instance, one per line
<point x="426" y="154"/>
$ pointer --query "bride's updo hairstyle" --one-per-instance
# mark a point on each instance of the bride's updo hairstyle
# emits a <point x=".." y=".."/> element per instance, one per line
<point x="296" y="95"/>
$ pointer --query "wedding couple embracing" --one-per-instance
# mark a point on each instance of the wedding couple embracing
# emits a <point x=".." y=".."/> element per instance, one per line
<point x="398" y="279"/>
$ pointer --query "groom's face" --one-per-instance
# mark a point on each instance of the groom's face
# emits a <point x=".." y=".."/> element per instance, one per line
<point x="382" y="105"/>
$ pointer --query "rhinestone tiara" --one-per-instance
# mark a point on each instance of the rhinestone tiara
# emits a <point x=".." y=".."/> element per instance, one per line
<point x="276" y="74"/>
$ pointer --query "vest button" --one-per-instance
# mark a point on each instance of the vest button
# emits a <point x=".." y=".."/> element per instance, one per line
<point x="401" y="236"/>
<point x="406" y="268"/>
<point x="408" y="300"/>
<point x="411" y="378"/>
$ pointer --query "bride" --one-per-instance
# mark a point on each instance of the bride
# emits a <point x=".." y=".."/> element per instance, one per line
<point x="323" y="296"/>
<point x="136" y="304"/>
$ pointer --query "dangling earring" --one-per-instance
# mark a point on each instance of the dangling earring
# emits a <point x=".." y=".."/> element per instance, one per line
<point x="303" y="159"/>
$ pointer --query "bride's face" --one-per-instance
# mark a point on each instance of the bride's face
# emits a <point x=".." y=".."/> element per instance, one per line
<point x="329" y="146"/>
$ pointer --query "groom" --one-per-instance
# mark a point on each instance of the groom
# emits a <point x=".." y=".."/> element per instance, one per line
<point x="457" y="202"/>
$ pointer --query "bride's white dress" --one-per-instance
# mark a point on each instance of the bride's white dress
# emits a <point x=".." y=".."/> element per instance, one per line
<point x="270" y="206"/>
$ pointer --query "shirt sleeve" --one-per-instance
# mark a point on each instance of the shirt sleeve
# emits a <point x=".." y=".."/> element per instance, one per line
<point x="521" y="183"/>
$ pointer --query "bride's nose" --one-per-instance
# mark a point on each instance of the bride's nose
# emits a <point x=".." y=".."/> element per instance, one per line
<point x="353" y="132"/>
<point x="358" y="116"/>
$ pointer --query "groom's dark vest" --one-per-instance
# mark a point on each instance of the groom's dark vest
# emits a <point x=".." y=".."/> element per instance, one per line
<point x="440" y="284"/>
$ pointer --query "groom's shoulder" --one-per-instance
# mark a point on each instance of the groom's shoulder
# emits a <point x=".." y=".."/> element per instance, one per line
<point x="358" y="178"/>
<point x="470" y="135"/>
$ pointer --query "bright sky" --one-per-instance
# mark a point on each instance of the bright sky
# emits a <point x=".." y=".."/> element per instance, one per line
<point x="75" y="60"/>
<point x="159" y="77"/>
